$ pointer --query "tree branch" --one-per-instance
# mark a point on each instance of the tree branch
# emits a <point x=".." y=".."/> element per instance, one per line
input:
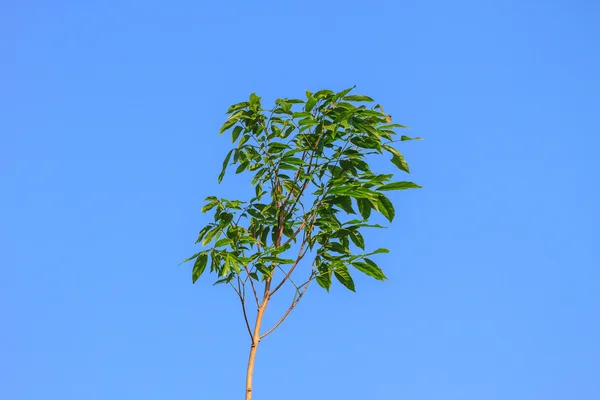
<point x="239" y="293"/>
<point x="252" y="284"/>
<point x="289" y="310"/>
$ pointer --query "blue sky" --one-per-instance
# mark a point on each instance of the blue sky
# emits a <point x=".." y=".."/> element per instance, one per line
<point x="108" y="144"/>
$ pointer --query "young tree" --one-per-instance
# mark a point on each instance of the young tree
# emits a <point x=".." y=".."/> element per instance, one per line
<point x="311" y="172"/>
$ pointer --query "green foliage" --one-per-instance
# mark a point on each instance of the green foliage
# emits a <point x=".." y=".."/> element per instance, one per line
<point x="315" y="190"/>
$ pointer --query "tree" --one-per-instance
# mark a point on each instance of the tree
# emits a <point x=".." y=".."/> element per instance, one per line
<point x="311" y="173"/>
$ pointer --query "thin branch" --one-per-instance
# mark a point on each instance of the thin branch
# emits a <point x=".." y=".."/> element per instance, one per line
<point x="243" y="308"/>
<point x="253" y="288"/>
<point x="295" y="233"/>
<point x="300" y="256"/>
<point x="288" y="311"/>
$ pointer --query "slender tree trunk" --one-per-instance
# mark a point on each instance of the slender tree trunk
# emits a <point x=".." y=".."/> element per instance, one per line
<point x="254" y="347"/>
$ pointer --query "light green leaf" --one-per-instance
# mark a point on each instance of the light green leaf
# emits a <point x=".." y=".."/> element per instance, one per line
<point x="223" y="242"/>
<point x="357" y="97"/>
<point x="237" y="106"/>
<point x="380" y="250"/>
<point x="310" y="103"/>
<point x="209" y="206"/>
<point x="304" y="114"/>
<point x="401" y="163"/>
<point x="321" y="94"/>
<point x="211" y="234"/>
<point x="232" y="120"/>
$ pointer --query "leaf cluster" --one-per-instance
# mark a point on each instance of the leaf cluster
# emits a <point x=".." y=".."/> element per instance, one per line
<point x="314" y="191"/>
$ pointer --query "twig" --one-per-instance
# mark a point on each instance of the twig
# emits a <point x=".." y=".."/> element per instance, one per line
<point x="288" y="311"/>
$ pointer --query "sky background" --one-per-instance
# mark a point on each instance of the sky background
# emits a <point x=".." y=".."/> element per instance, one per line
<point x="108" y="144"/>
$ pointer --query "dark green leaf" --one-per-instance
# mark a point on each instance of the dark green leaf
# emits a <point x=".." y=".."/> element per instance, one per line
<point x="370" y="269"/>
<point x="338" y="248"/>
<point x="199" y="267"/>
<point x="236" y="133"/>
<point x="343" y="276"/>
<point x="399" y="186"/>
<point x="324" y="280"/>
<point x="345" y="203"/>
<point x="357" y="239"/>
<point x="278" y="260"/>
<point x="225" y="163"/>
<point x="386" y="207"/>
<point x="364" y="207"/>
<point x="409" y="138"/>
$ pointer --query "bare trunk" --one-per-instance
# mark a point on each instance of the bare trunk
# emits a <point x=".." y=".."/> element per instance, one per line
<point x="254" y="347"/>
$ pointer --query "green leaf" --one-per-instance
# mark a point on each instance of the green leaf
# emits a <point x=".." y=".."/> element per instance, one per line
<point x="310" y="103"/>
<point x="237" y="106"/>
<point x="386" y="207"/>
<point x="345" y="203"/>
<point x="192" y="257"/>
<point x="337" y="247"/>
<point x="380" y="250"/>
<point x="304" y="114"/>
<point x="223" y="242"/>
<point x="357" y="239"/>
<point x="199" y="267"/>
<point x="343" y="276"/>
<point x="278" y="260"/>
<point x="232" y="120"/>
<point x="209" y="206"/>
<point x="399" y="186"/>
<point x="324" y="280"/>
<point x="203" y="232"/>
<point x="364" y="207"/>
<point x="236" y="133"/>
<point x="225" y="163"/>
<point x="227" y="279"/>
<point x="322" y="94"/>
<point x="254" y="100"/>
<point x="400" y="162"/>
<point x="211" y="234"/>
<point x="281" y="249"/>
<point x="357" y="97"/>
<point x="409" y="138"/>
<point x="370" y="269"/>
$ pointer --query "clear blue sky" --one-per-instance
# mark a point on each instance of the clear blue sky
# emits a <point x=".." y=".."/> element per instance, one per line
<point x="109" y="119"/>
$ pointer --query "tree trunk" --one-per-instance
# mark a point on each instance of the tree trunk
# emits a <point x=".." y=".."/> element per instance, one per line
<point x="254" y="347"/>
